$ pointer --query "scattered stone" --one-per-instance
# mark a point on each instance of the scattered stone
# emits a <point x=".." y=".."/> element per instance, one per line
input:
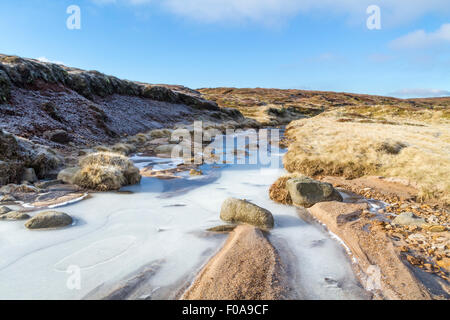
<point x="7" y="198"/>
<point x="306" y="192"/>
<point x="433" y="219"/>
<point x="444" y="263"/>
<point x="435" y="228"/>
<point x="58" y="136"/>
<point x="29" y="175"/>
<point x="159" y="141"/>
<point x="237" y="210"/>
<point x="4" y="210"/>
<point x="165" y="149"/>
<point x="194" y="172"/>
<point x="46" y="184"/>
<point x="14" y="215"/>
<point x="414" y="260"/>
<point x="49" y="220"/>
<point x="67" y="175"/>
<point x="408" y="219"/>
<point x="18" y="188"/>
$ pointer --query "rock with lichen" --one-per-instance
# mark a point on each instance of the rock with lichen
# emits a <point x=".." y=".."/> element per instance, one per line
<point x="242" y="211"/>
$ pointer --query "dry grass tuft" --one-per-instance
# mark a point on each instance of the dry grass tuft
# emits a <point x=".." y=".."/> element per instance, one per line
<point x="100" y="178"/>
<point x="123" y="148"/>
<point x="278" y="191"/>
<point x="104" y="171"/>
<point x="421" y="154"/>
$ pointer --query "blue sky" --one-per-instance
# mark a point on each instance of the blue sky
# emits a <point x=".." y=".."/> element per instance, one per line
<point x="300" y="44"/>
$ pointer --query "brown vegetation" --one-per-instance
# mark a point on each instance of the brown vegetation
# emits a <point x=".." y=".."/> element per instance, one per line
<point x="104" y="171"/>
<point x="418" y="153"/>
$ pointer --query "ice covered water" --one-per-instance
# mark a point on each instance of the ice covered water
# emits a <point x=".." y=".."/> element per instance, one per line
<point x="162" y="222"/>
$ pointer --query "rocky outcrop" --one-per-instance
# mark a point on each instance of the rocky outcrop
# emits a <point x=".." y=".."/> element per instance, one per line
<point x="306" y="192"/>
<point x="54" y="104"/>
<point x="241" y="211"/>
<point x="248" y="267"/>
<point x="49" y="220"/>
<point x="18" y="155"/>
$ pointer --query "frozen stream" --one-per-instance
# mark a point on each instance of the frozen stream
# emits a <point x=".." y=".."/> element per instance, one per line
<point x="163" y="222"/>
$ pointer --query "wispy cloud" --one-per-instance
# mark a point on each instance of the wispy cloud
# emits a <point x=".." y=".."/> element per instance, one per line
<point x="420" y="93"/>
<point x="276" y="11"/>
<point x="423" y="39"/>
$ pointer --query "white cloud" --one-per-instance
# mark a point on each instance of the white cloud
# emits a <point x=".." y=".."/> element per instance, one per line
<point x="423" y="39"/>
<point x="420" y="93"/>
<point x="277" y="11"/>
<point x="45" y="59"/>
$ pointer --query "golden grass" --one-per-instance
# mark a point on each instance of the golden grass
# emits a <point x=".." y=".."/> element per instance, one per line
<point x="278" y="191"/>
<point x="104" y="171"/>
<point x="100" y="178"/>
<point x="420" y="153"/>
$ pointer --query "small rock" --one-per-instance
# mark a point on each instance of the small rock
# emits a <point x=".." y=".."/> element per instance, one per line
<point x="165" y="149"/>
<point x="413" y="260"/>
<point x="46" y="184"/>
<point x="436" y="228"/>
<point x="408" y="219"/>
<point x="8" y="198"/>
<point x="444" y="263"/>
<point x="49" y="219"/>
<point x="4" y="210"/>
<point x="29" y="175"/>
<point x="18" y="188"/>
<point x="67" y="175"/>
<point x="433" y="219"/>
<point x="14" y="215"/>
<point x="237" y="210"/>
<point x="58" y="136"/>
<point x="417" y="237"/>
<point x="306" y="192"/>
<point x="194" y="172"/>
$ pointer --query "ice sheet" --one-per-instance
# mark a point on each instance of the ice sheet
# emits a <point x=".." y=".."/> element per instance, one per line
<point x="117" y="233"/>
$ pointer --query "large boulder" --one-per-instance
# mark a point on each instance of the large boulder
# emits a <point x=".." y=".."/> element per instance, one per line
<point x="236" y="210"/>
<point x="306" y="192"/>
<point x="49" y="220"/>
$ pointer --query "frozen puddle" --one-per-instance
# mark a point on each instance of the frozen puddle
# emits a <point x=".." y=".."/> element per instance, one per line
<point x="163" y="222"/>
